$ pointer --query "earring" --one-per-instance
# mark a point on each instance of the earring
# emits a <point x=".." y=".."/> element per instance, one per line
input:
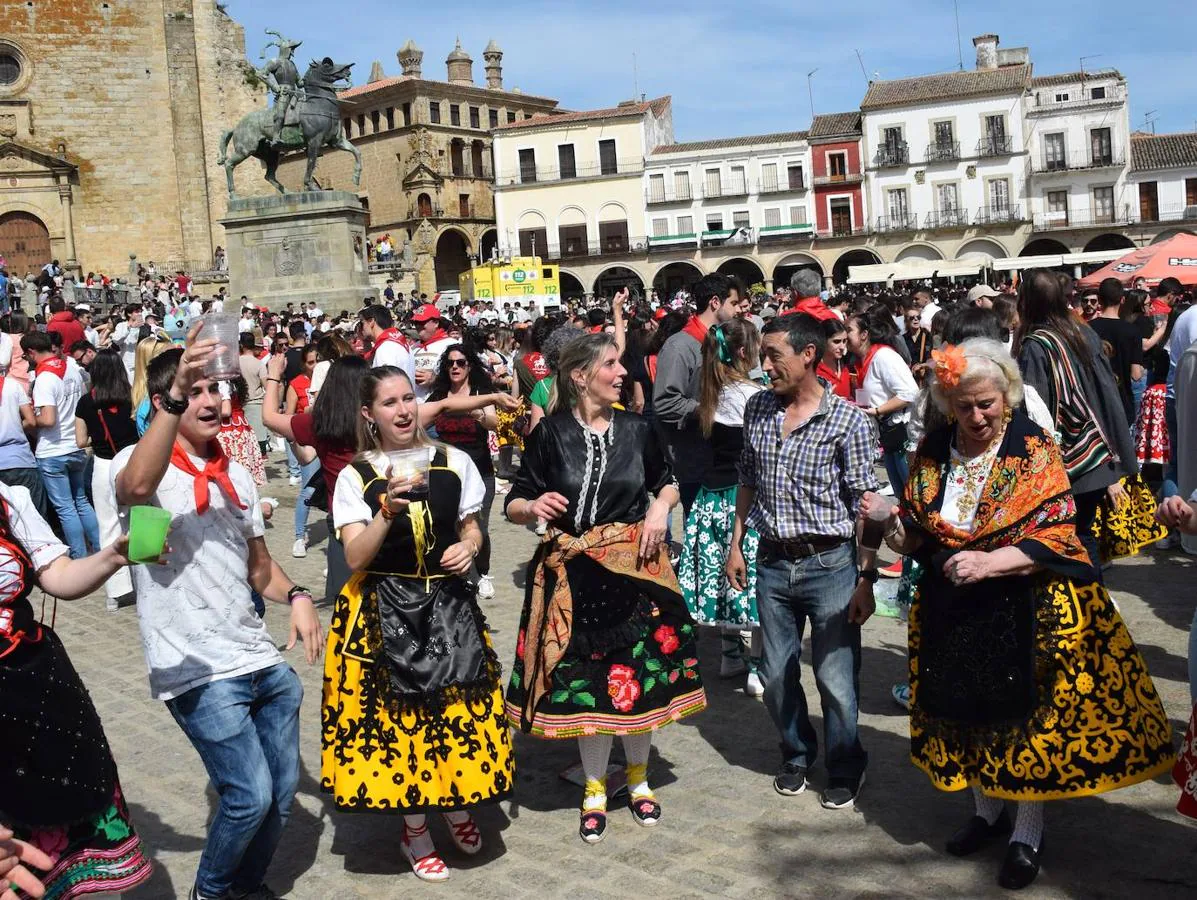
<point x="1007" y="415"/>
<point x="373" y="428"/>
<point x="951" y="416"/>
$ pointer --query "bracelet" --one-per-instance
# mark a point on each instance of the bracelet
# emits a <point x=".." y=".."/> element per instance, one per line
<point x="297" y="591"/>
<point x="278" y="380"/>
<point x="893" y="530"/>
<point x="384" y="508"/>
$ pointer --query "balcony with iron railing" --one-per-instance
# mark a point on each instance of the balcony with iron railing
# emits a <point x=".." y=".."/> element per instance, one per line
<point x="995" y="145"/>
<point x="668" y="195"/>
<point x="528" y="175"/>
<point x="793" y="186"/>
<point x="996" y="215"/>
<point x="839" y="178"/>
<point x="889" y="156"/>
<point x="732" y="188"/>
<point x="1079" y="96"/>
<point x="842" y="231"/>
<point x="484" y="172"/>
<point x="947" y="218"/>
<point x="901" y="222"/>
<point x="1078" y="161"/>
<point x="1168" y="213"/>
<point x="943" y="151"/>
<point x="1082" y="218"/>
<point x="609" y="246"/>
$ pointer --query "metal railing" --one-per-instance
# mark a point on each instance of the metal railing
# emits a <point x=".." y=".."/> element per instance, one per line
<point x="993" y="215"/>
<point x="907" y="222"/>
<point x="833" y="232"/>
<point x="782" y="187"/>
<point x="995" y="145"/>
<point x="1045" y="101"/>
<point x="1169" y="213"/>
<point x="845" y="178"/>
<point x="684" y="195"/>
<point x="471" y="172"/>
<point x="1077" y="160"/>
<point x="891" y="155"/>
<point x="611" y="246"/>
<point x="947" y="218"/>
<point x="628" y="166"/>
<point x="717" y="191"/>
<point x="943" y="151"/>
<point x="1084" y="218"/>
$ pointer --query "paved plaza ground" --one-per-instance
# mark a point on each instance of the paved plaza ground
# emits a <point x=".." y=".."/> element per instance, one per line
<point x="725" y="832"/>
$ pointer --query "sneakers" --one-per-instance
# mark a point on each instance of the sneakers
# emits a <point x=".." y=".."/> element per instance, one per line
<point x="293" y="480"/>
<point x="893" y="570"/>
<point x="300" y="548"/>
<point x="731" y="666"/>
<point x="754" y="687"/>
<point x="841" y="793"/>
<point x="486" y="588"/>
<point x="261" y="892"/>
<point x="901" y="694"/>
<point x="791" y="780"/>
<point x="1167" y="542"/>
<point x="112" y="604"/>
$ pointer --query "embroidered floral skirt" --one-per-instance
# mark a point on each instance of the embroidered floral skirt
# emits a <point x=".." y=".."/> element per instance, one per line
<point x="1151" y="427"/>
<point x="711" y="599"/>
<point x="1127" y="530"/>
<point x="1098" y="723"/>
<point x="449" y="751"/>
<point x="631" y="666"/>
<point x="1185" y="771"/>
<point x="239" y="442"/>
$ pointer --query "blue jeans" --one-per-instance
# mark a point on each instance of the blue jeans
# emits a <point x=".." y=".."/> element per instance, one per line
<point x="293" y="467"/>
<point x="1138" y="389"/>
<point x="246" y="731"/>
<point x="788" y="592"/>
<point x="897" y="469"/>
<point x="65" y="478"/>
<point x="305" y="494"/>
<point x="1170" y="488"/>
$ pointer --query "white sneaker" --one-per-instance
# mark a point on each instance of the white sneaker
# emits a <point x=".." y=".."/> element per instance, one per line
<point x="1167" y="542"/>
<point x="112" y="604"/>
<point x="754" y="687"/>
<point x="293" y="480"/>
<point x="486" y="588"/>
<point x="300" y="548"/>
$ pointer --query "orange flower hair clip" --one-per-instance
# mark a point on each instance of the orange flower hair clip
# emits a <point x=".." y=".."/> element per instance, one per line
<point x="949" y="365"/>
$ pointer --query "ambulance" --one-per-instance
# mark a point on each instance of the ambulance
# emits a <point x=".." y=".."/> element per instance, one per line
<point x="518" y="279"/>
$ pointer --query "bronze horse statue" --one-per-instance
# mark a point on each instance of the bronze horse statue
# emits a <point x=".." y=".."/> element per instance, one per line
<point x="314" y="123"/>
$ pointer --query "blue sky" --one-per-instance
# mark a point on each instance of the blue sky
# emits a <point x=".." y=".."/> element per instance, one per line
<point x="739" y="66"/>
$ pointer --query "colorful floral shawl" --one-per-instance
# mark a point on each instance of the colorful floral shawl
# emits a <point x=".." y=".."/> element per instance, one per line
<point x="1026" y="502"/>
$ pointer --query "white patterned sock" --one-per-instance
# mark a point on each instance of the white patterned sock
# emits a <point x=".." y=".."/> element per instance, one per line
<point x="595" y="751"/>
<point x="988" y="808"/>
<point x="636" y="749"/>
<point x="1028" y="824"/>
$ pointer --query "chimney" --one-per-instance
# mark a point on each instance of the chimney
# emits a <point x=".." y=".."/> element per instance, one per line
<point x="376" y="73"/>
<point x="460" y="65"/>
<point x="494" y="66"/>
<point x="410" y="58"/>
<point x="987" y="52"/>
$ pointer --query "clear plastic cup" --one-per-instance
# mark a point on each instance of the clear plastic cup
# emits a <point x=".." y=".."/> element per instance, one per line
<point x="224" y="362"/>
<point x="148" y="527"/>
<point x="412" y="464"/>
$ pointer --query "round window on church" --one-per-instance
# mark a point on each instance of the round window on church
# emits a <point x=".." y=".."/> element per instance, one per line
<point x="10" y="68"/>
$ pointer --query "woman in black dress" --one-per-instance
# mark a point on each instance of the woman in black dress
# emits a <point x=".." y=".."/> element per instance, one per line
<point x="606" y="645"/>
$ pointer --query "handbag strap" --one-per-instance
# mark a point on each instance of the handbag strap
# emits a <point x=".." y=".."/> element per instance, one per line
<point x="107" y="433"/>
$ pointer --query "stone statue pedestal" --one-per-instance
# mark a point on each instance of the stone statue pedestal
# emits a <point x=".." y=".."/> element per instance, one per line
<point x="299" y="247"/>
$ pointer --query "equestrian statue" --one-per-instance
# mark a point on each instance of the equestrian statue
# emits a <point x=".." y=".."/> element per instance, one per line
<point x="305" y="115"/>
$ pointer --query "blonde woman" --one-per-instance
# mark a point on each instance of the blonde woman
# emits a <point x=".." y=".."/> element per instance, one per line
<point x="147" y="349"/>
<point x="413" y="712"/>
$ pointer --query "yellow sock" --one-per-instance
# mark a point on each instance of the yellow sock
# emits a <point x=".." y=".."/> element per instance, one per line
<point x="595" y="796"/>
<point x="638" y="781"/>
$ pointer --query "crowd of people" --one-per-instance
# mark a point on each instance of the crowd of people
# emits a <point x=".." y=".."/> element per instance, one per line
<point x="1029" y="435"/>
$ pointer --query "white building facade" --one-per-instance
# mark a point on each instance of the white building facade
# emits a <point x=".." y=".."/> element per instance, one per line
<point x="1163" y="180"/>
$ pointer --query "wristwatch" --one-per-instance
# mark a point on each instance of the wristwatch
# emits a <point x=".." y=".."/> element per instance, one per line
<point x="869" y="575"/>
<point x="297" y="591"/>
<point x="172" y="406"/>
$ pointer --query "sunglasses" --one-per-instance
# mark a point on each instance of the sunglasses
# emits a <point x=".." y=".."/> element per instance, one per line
<point x="459" y="364"/>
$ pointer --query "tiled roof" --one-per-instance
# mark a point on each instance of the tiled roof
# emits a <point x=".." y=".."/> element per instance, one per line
<point x="1163" y="151"/>
<point x="783" y="137"/>
<point x="949" y="85"/>
<point x="658" y="108"/>
<point x="360" y="89"/>
<point x="835" y="124"/>
<point x="1073" y="77"/>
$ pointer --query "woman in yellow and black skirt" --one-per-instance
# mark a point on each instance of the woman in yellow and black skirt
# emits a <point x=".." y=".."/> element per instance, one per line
<point x="413" y="717"/>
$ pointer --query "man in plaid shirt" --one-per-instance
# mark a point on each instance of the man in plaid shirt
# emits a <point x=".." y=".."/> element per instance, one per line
<point x="807" y="460"/>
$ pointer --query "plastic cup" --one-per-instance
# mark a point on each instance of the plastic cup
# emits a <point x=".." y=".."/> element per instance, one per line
<point x="224" y="362"/>
<point x="411" y="464"/>
<point x="148" y="527"/>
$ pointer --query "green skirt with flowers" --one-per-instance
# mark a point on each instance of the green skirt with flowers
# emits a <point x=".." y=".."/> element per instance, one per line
<point x="711" y="598"/>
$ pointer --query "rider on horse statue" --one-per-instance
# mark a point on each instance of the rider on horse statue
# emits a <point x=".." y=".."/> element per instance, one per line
<point x="285" y="84"/>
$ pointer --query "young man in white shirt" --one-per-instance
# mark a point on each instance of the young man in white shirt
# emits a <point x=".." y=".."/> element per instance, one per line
<point x="125" y="336"/>
<point x="389" y="346"/>
<point x="57" y="387"/>
<point x="209" y="656"/>
<point x="434" y="341"/>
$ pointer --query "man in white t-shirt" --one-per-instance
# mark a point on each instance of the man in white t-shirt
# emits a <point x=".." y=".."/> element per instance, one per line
<point x="434" y="341"/>
<point x="248" y="321"/>
<point x="125" y="336"/>
<point x="57" y="387"/>
<point x="209" y="655"/>
<point x="389" y="346"/>
<point x="18" y="468"/>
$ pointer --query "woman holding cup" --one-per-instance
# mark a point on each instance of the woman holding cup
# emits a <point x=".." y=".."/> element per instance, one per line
<point x="413" y="714"/>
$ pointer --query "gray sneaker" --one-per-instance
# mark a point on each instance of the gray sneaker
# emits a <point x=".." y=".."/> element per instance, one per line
<point x="841" y="793"/>
<point x="261" y="892"/>
<point x="790" y="780"/>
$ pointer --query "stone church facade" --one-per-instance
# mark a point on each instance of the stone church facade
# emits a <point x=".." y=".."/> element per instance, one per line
<point x="110" y="117"/>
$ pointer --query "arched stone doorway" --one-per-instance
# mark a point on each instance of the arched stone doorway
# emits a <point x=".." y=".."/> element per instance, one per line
<point x="424" y="206"/>
<point x="918" y="251"/>
<point x="982" y="246"/>
<point x="24" y="243"/>
<point x="747" y="271"/>
<point x="1170" y="233"/>
<point x="1109" y="242"/>
<point x="614" y="279"/>
<point x="860" y="257"/>
<point x="673" y="277"/>
<point x="571" y="287"/>
<point x="1044" y="247"/>
<point x="784" y="270"/>
<point x="490" y="240"/>
<point x="452" y="258"/>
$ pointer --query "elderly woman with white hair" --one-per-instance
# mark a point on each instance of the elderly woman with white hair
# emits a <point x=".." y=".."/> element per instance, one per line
<point x="1026" y="685"/>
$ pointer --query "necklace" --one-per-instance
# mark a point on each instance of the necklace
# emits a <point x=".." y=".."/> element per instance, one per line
<point x="972" y="474"/>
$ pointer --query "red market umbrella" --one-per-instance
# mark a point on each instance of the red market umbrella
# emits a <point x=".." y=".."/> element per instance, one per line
<point x="1145" y="267"/>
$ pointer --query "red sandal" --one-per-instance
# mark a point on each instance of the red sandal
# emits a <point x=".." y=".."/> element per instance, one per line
<point x="427" y="868"/>
<point x="465" y="835"/>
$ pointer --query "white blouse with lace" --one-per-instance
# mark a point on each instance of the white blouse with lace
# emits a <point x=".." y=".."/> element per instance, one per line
<point x="963" y="484"/>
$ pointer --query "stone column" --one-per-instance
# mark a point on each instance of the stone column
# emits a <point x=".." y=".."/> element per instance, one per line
<point x="68" y="224"/>
<point x="769" y="286"/>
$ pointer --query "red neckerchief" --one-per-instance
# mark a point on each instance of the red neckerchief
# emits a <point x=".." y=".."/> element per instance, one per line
<point x="813" y="307"/>
<point x="439" y="335"/>
<point x="840" y="383"/>
<point x="696" y="329"/>
<point x="387" y="334"/>
<point x="55" y="365"/>
<point x="215" y="469"/>
<point x="868" y="361"/>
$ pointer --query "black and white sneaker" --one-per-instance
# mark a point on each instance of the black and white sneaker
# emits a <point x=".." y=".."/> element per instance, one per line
<point x="841" y="793"/>
<point x="790" y="780"/>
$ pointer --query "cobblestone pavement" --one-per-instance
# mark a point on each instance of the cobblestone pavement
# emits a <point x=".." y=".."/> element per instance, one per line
<point x="725" y="832"/>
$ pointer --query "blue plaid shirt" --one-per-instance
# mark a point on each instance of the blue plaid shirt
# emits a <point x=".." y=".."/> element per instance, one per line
<point x="808" y="485"/>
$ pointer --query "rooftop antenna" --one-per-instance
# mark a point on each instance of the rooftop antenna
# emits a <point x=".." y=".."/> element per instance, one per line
<point x="1149" y="119"/>
<point x="635" y="76"/>
<point x="810" y="92"/>
<point x="1083" y="58"/>
<point x="959" y="46"/>
<point x="862" y="67"/>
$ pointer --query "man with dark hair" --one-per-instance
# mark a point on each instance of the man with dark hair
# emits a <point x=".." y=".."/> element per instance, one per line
<point x="596" y="320"/>
<point x="209" y="656"/>
<point x="676" y="389"/>
<point x="389" y="346"/>
<point x="1120" y="342"/>
<point x="63" y="321"/>
<point x="126" y="334"/>
<point x="807" y="461"/>
<point x="253" y="370"/>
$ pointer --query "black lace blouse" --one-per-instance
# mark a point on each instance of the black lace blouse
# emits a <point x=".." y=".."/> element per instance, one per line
<point x="605" y="477"/>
